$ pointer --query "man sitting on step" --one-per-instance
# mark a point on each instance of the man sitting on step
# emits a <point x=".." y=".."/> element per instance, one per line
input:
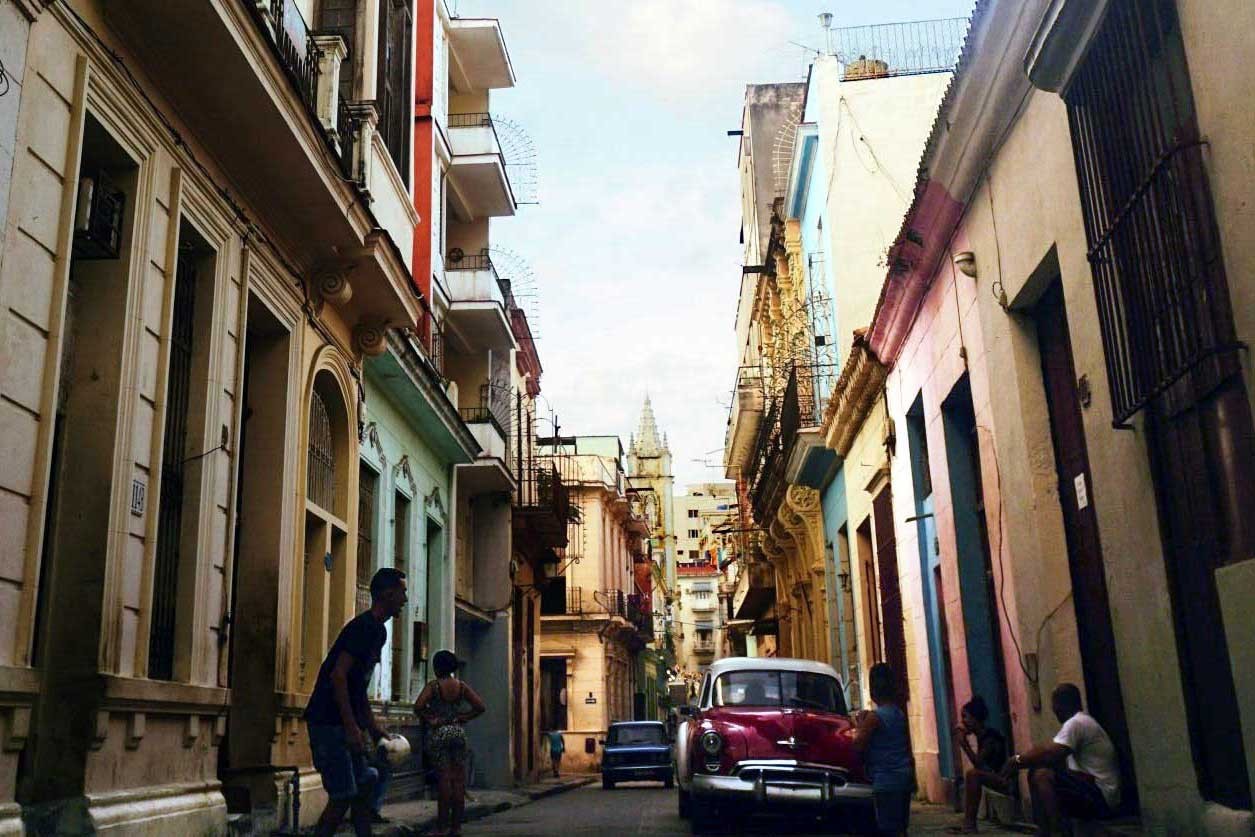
<point x="1076" y="774"/>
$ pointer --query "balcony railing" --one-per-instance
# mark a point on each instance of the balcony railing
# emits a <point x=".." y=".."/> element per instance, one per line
<point x="900" y="49"/>
<point x="470" y="120"/>
<point x="613" y="602"/>
<point x="703" y="646"/>
<point x="303" y="62"/>
<point x="296" y="47"/>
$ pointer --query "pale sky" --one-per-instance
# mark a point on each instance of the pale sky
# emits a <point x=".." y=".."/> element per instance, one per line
<point x="634" y="244"/>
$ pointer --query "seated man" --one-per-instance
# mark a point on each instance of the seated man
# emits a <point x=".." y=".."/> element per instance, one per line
<point x="1076" y="774"/>
<point x="987" y="759"/>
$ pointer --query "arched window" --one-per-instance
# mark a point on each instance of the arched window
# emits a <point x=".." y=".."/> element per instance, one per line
<point x="321" y="481"/>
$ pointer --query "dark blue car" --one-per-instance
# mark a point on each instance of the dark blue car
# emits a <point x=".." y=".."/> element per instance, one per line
<point x="636" y="751"/>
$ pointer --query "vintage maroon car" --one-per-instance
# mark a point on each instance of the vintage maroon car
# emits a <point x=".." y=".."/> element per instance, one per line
<point x="770" y="733"/>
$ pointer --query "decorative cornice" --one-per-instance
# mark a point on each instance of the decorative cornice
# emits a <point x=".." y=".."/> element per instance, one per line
<point x="855" y="393"/>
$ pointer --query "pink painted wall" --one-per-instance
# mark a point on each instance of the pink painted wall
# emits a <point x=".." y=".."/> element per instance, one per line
<point x="932" y="362"/>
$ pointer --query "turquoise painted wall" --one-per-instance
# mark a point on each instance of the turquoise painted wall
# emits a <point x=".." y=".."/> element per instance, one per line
<point x="424" y="482"/>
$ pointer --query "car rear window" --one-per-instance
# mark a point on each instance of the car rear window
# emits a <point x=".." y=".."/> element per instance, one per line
<point x="794" y="689"/>
<point x="637" y="735"/>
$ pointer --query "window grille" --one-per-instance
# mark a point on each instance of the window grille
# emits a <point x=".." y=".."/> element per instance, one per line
<point x="321" y="481"/>
<point x="1162" y="298"/>
<point x="174" y="445"/>
<point x="366" y="486"/>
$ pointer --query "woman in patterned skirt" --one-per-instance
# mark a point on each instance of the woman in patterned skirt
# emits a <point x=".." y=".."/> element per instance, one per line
<point x="441" y="707"/>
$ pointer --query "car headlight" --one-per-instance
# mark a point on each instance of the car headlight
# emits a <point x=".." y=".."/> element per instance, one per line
<point x="712" y="742"/>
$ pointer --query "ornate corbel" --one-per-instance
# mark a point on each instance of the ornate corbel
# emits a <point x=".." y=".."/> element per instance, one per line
<point x="331" y="282"/>
<point x="370" y="338"/>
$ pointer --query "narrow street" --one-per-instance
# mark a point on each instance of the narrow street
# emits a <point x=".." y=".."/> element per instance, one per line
<point x="648" y="810"/>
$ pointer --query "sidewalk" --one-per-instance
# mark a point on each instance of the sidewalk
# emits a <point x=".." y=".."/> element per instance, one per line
<point x="419" y="815"/>
<point x="935" y="819"/>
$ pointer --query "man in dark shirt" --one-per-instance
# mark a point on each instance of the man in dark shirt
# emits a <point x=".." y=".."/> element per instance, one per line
<point x="338" y="716"/>
<point x="987" y="759"/>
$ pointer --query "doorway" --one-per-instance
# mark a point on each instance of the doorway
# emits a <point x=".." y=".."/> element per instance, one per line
<point x="1103" y="697"/>
<point x="891" y="618"/>
<point x="934" y="600"/>
<point x="553" y="693"/>
<point x="977" y="591"/>
<point x="252" y="652"/>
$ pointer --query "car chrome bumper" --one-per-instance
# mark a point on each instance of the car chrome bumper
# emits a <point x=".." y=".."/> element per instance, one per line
<point x="771" y="782"/>
<point x="626" y="770"/>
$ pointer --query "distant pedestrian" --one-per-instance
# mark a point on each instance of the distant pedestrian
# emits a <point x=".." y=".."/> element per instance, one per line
<point x="1076" y="775"/>
<point x="882" y="737"/>
<point x="441" y="706"/>
<point x="338" y="716"/>
<point x="557" y="746"/>
<point x="987" y="759"/>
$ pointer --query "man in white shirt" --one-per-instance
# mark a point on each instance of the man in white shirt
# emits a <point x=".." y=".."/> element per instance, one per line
<point x="1075" y="775"/>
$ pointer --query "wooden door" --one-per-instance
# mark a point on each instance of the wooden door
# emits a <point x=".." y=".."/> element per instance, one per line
<point x="1104" y="699"/>
<point x="890" y="591"/>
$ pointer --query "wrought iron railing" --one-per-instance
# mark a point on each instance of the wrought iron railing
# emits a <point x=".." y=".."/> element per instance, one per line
<point x="457" y="260"/>
<point x="470" y="120"/>
<point x="613" y="602"/>
<point x="348" y="135"/>
<point x="481" y="415"/>
<point x="296" y="46"/>
<point x="900" y="49"/>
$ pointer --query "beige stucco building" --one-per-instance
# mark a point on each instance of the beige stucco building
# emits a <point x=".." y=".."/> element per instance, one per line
<point x="168" y="294"/>
<point x="589" y="640"/>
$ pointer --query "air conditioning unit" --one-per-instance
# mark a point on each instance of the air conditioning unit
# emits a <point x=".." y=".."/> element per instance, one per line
<point x="98" y="217"/>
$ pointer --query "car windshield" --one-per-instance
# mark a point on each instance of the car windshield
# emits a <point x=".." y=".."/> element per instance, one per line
<point x="650" y="734"/>
<point x="797" y="689"/>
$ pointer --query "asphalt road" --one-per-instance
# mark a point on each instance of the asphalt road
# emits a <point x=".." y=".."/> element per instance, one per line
<point x="648" y="810"/>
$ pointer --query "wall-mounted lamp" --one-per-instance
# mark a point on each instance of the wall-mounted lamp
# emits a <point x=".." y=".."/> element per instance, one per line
<point x="966" y="263"/>
<point x="844" y="578"/>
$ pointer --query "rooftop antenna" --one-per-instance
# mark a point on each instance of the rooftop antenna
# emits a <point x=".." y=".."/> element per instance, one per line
<point x="825" y="20"/>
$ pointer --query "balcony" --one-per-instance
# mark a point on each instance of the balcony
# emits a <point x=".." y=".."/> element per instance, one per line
<point x="743" y="422"/>
<point x="478" y="57"/>
<point x="488" y="423"/>
<point x="488" y="432"/>
<point x="755" y="591"/>
<point x="479" y="184"/>
<point x="703" y="647"/>
<point x="479" y="301"/>
<point x="542" y="504"/>
<point x="703" y="604"/>
<point x="303" y="161"/>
